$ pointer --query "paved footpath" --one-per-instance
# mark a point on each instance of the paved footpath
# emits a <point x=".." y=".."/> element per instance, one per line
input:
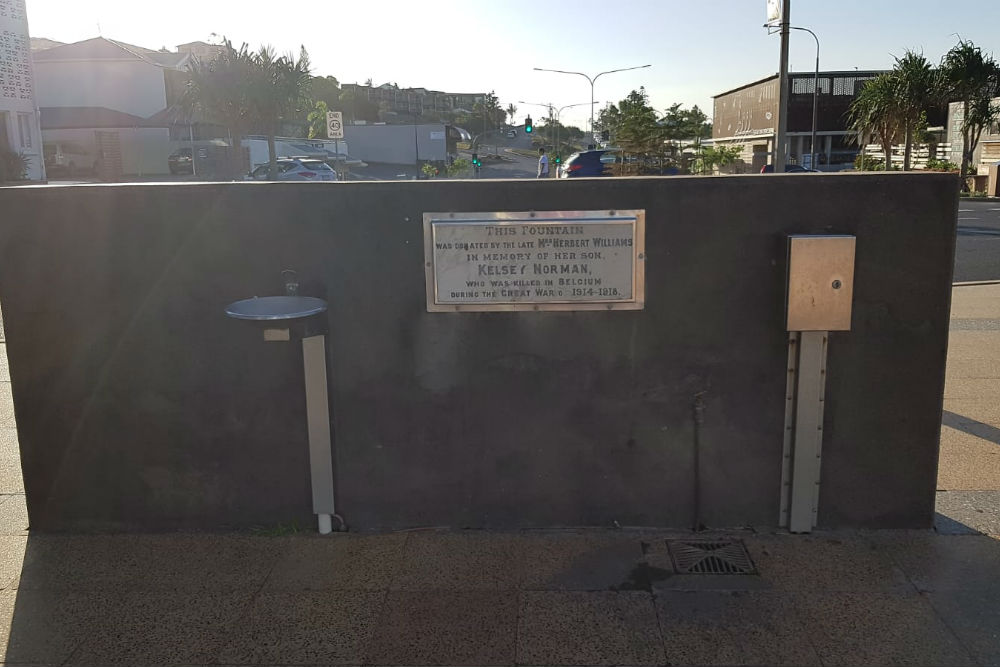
<point x="969" y="471"/>
<point x="575" y="597"/>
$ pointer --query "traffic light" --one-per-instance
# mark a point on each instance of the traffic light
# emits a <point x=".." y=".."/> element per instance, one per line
<point x="558" y="159"/>
<point x="528" y="125"/>
<point x="475" y="160"/>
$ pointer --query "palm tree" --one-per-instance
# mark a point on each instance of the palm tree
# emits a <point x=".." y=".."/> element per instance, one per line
<point x="279" y="88"/>
<point x="246" y="91"/>
<point x="916" y="87"/>
<point x="511" y="111"/>
<point x="874" y="113"/>
<point x="217" y="91"/>
<point x="973" y="78"/>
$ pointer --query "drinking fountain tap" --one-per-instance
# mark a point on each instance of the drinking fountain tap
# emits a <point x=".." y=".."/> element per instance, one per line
<point x="291" y="282"/>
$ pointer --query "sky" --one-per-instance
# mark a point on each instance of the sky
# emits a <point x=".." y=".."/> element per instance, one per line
<point x="695" y="48"/>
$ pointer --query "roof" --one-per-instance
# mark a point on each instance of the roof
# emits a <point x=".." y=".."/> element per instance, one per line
<point x="75" y="118"/>
<point x="101" y="48"/>
<point x="40" y="43"/>
<point x="852" y="72"/>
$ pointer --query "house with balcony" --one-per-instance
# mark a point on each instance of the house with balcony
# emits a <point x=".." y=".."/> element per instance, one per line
<point x="107" y="99"/>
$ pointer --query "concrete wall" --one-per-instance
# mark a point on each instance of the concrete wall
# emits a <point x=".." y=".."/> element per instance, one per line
<point x="141" y="406"/>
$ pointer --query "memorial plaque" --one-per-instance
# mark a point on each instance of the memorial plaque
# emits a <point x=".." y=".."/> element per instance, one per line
<point x="537" y="260"/>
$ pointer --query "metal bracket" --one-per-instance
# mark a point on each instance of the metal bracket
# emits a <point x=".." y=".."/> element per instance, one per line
<point x="800" y="475"/>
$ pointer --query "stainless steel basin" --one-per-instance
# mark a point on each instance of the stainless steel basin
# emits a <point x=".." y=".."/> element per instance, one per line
<point x="276" y="308"/>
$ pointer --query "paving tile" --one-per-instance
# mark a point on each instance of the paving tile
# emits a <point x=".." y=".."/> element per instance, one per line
<point x="6" y="407"/>
<point x="168" y="562"/>
<point x="12" y="554"/>
<point x="305" y="627"/>
<point x="4" y="367"/>
<point x="461" y="561"/>
<point x="947" y="562"/>
<point x="339" y="562"/>
<point x="978" y="510"/>
<point x="831" y="562"/>
<point x="974" y="616"/>
<point x="70" y="562"/>
<point x="11" y="477"/>
<point x="582" y="561"/>
<point x="851" y="628"/>
<point x="13" y="515"/>
<point x="46" y="626"/>
<point x="156" y="628"/>
<point x="588" y="628"/>
<point x="733" y="628"/>
<point x="445" y="628"/>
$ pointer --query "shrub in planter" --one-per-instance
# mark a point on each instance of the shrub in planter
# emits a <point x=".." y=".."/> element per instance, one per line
<point x="13" y="166"/>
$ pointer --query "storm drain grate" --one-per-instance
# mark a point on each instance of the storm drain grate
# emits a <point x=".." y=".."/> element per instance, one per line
<point x="710" y="557"/>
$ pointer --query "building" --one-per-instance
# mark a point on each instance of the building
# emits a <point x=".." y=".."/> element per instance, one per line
<point x="201" y="50"/>
<point x="414" y="101"/>
<point x="107" y="100"/>
<point x="987" y="150"/>
<point x="19" y="119"/>
<point x="748" y="116"/>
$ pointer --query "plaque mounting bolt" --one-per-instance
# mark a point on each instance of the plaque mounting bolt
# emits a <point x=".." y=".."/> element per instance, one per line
<point x="836" y="284"/>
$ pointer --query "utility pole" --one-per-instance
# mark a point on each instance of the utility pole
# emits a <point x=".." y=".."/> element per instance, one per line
<point x="783" y="92"/>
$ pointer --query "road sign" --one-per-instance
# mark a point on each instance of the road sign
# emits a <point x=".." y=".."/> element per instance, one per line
<point x="334" y="125"/>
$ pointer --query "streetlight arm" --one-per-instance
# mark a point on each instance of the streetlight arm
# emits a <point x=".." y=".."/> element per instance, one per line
<point x="624" y="69"/>
<point x="562" y="71"/>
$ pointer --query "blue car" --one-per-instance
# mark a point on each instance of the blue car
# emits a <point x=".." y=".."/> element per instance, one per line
<point x="587" y="163"/>
<point x="789" y="169"/>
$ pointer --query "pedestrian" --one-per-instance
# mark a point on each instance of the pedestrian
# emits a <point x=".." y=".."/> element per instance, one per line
<point x="543" y="164"/>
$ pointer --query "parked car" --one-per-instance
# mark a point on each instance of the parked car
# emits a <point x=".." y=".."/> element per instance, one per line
<point x="587" y="163"/>
<point x="67" y="157"/>
<point x="180" y="161"/>
<point x="789" y="169"/>
<point x="511" y="134"/>
<point x="296" y="169"/>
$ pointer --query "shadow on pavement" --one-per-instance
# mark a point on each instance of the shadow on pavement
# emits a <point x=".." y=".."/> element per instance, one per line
<point x="971" y="426"/>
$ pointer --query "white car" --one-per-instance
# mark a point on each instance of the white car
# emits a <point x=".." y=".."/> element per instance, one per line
<point x="511" y="134"/>
<point x="296" y="169"/>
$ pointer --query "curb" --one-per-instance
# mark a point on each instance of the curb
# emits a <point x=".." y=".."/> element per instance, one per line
<point x="971" y="283"/>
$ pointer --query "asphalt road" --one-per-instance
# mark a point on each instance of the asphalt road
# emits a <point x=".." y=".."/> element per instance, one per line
<point x="977" y="251"/>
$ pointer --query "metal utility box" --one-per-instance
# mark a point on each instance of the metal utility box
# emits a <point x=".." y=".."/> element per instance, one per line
<point x="820" y="282"/>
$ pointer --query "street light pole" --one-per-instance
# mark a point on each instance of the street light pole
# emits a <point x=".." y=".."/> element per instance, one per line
<point x="812" y="142"/>
<point x="783" y="92"/>
<point x="591" y="80"/>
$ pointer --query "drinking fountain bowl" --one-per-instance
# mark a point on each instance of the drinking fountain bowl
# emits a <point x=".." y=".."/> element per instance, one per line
<point x="276" y="308"/>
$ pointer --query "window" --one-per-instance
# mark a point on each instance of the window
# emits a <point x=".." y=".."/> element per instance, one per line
<point x="24" y="128"/>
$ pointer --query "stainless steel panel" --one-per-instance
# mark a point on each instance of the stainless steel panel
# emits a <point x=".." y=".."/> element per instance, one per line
<point x="535" y="260"/>
<point x="820" y="283"/>
<point x="318" y="421"/>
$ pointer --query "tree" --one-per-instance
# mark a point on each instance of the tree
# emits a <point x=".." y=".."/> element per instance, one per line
<point x="973" y="78"/>
<point x="714" y="156"/>
<point x="682" y="127"/>
<point x="279" y="88"/>
<point x="638" y="132"/>
<point x="219" y="90"/>
<point x="874" y="113"/>
<point x="916" y="88"/>
<point x="488" y="114"/>
<point x="248" y="91"/>
<point x="317" y="120"/>
<point x="511" y="111"/>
